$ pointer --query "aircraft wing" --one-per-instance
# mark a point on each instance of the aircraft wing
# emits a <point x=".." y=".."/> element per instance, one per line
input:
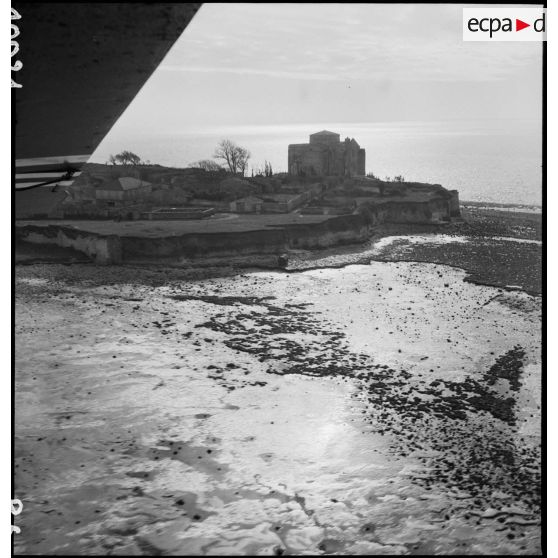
<point x="83" y="63"/>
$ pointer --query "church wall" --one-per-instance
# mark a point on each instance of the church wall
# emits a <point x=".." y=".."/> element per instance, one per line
<point x="326" y="156"/>
<point x="307" y="159"/>
<point x="361" y="164"/>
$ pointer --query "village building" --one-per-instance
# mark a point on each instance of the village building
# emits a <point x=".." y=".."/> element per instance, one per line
<point x="283" y="203"/>
<point x="270" y="203"/>
<point x="327" y="155"/>
<point x="332" y="206"/>
<point x="248" y="204"/>
<point x="125" y="188"/>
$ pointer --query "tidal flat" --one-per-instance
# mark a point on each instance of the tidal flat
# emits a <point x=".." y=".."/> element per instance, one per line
<point x="385" y="407"/>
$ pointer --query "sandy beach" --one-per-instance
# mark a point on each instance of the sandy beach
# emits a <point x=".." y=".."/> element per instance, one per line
<point x="380" y="408"/>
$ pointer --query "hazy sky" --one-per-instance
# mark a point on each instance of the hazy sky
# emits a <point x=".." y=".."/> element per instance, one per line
<point x="240" y="64"/>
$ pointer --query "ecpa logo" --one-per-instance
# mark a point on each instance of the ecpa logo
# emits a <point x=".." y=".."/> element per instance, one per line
<point x="504" y="24"/>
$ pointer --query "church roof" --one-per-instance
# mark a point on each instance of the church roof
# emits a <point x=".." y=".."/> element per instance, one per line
<point x="123" y="183"/>
<point x="325" y="133"/>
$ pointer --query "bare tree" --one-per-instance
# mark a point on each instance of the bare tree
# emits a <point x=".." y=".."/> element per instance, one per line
<point x="242" y="159"/>
<point x="226" y="151"/>
<point x="207" y="165"/>
<point x="125" y="158"/>
<point x="268" y="169"/>
<point x="235" y="156"/>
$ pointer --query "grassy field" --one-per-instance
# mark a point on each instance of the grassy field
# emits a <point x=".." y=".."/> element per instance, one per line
<point x="220" y="223"/>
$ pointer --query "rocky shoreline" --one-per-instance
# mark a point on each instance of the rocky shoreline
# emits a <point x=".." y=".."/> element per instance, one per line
<point x="495" y="248"/>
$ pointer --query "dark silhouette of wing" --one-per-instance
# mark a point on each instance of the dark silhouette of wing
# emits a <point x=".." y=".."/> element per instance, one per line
<point x="83" y="64"/>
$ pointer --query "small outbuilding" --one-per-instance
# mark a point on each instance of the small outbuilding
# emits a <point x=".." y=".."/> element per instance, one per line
<point x="248" y="204"/>
<point x="125" y="188"/>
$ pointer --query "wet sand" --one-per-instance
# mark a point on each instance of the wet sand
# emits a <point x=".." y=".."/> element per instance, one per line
<point x="385" y="408"/>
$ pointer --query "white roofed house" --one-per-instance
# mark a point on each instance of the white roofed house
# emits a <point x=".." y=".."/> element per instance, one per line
<point x="125" y="188"/>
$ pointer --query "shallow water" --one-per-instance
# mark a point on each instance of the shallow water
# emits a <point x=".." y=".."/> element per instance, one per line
<point x="239" y="415"/>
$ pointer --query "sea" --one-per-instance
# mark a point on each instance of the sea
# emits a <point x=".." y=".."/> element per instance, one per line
<point x="495" y="161"/>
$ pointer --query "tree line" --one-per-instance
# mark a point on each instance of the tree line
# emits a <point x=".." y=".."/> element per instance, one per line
<point x="234" y="158"/>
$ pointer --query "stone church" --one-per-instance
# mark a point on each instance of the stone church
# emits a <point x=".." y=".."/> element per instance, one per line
<point x="327" y="155"/>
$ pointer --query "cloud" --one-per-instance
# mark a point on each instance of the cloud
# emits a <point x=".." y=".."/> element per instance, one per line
<point x="254" y="64"/>
<point x="252" y="71"/>
<point x="328" y="42"/>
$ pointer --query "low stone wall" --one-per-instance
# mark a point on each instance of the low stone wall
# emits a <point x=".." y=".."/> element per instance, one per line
<point x="146" y="249"/>
<point x="177" y="214"/>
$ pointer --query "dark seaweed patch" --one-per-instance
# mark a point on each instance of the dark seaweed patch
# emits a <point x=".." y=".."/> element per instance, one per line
<point x="466" y="421"/>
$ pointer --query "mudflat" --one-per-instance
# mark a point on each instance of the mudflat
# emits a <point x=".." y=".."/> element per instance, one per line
<point x="379" y="407"/>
